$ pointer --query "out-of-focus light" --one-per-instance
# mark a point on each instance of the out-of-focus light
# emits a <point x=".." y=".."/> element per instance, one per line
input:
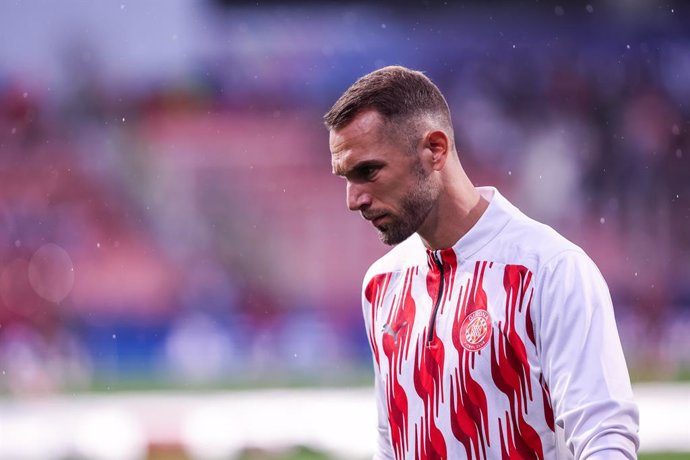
<point x="51" y="272"/>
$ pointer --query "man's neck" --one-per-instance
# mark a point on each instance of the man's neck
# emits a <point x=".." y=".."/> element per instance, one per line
<point x="456" y="213"/>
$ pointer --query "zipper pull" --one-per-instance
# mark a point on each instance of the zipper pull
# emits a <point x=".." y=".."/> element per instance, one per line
<point x="437" y="258"/>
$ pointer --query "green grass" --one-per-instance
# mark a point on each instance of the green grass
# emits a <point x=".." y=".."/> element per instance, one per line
<point x="299" y="453"/>
<point x="308" y="454"/>
<point x="305" y="453"/>
<point x="665" y="456"/>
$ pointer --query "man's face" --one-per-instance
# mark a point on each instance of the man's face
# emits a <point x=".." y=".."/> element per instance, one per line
<point x="386" y="182"/>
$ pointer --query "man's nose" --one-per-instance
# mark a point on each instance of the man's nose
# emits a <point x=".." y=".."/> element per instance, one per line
<point x="357" y="198"/>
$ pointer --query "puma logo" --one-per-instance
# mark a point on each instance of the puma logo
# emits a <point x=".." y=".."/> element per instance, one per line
<point x="387" y="329"/>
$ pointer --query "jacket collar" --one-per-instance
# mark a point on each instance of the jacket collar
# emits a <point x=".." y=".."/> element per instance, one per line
<point x="494" y="219"/>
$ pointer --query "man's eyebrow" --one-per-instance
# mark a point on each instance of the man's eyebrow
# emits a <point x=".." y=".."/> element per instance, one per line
<point x="357" y="167"/>
<point x="339" y="170"/>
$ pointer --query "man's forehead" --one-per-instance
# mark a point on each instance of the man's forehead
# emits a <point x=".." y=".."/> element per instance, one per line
<point x="354" y="141"/>
<point x="365" y="123"/>
<point x="365" y="127"/>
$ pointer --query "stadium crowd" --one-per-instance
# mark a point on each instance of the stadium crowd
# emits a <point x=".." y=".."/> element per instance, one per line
<point x="187" y="231"/>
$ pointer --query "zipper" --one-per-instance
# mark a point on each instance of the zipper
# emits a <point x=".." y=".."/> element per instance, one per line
<point x="432" y="320"/>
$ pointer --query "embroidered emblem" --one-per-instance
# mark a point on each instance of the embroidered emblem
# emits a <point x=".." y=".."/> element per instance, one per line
<point x="475" y="331"/>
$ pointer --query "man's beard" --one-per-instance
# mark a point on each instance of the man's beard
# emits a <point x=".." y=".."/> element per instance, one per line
<point x="415" y="207"/>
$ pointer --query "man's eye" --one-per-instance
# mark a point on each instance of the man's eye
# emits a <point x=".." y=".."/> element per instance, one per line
<point x="364" y="173"/>
<point x="368" y="172"/>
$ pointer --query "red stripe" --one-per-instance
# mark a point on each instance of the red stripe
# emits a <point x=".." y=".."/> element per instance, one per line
<point x="375" y="293"/>
<point x="396" y="342"/>
<point x="546" y="397"/>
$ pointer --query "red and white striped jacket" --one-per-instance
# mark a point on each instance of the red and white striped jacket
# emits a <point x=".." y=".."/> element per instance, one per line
<point x="502" y="347"/>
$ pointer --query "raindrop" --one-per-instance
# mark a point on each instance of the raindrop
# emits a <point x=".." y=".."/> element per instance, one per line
<point x="589" y="8"/>
<point x="602" y="220"/>
<point x="675" y="130"/>
<point x="98" y="245"/>
<point x="383" y="26"/>
<point x="114" y="336"/>
<point x="123" y="119"/>
<point x="25" y="95"/>
<point x="559" y="10"/>
<point x="679" y="153"/>
<point x="627" y="46"/>
<point x="635" y="273"/>
<point x="17" y="243"/>
<point x="510" y="173"/>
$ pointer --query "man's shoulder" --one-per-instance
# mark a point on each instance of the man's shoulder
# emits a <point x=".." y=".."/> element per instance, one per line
<point x="514" y="236"/>
<point x="409" y="253"/>
<point x="538" y="241"/>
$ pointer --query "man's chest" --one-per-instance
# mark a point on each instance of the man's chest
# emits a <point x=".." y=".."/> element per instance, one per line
<point x="456" y="351"/>
<point x="453" y="309"/>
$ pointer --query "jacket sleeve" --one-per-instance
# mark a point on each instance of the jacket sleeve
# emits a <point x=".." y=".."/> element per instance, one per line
<point x="384" y="448"/>
<point x="582" y="360"/>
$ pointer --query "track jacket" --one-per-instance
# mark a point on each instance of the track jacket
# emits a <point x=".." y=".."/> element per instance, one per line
<point x="501" y="347"/>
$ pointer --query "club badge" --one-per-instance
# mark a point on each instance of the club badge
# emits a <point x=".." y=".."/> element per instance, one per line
<point x="475" y="330"/>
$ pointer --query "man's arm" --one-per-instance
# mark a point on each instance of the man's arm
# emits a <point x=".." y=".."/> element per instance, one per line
<point x="583" y="361"/>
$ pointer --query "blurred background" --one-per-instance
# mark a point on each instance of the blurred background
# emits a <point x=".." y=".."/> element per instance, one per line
<point x="172" y="240"/>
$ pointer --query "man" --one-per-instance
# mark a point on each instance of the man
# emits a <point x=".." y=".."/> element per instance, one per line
<point x="492" y="335"/>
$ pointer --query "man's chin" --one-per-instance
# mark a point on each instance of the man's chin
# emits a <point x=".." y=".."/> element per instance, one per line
<point x="385" y="240"/>
<point x="392" y="238"/>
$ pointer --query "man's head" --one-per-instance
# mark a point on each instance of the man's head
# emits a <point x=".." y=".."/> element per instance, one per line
<point x="402" y="96"/>
<point x="390" y="135"/>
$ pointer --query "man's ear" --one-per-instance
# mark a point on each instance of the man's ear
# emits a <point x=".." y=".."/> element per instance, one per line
<point x="437" y="145"/>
